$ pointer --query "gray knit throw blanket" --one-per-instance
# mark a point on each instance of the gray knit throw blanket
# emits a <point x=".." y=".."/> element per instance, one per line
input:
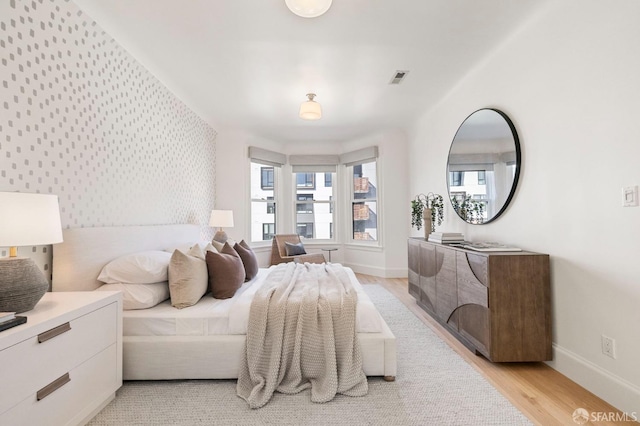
<point x="302" y="334"/>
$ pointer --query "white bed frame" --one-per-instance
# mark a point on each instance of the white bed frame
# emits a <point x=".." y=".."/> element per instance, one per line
<point x="80" y="258"/>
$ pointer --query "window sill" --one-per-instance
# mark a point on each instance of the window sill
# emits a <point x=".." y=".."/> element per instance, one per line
<point x="260" y="247"/>
<point x="364" y="247"/>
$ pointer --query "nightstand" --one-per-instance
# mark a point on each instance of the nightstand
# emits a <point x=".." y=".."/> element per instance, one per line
<point x="65" y="364"/>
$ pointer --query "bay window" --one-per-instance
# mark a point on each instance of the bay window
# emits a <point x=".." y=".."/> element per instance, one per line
<point x="264" y="189"/>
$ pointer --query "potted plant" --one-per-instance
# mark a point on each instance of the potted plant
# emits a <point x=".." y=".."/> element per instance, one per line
<point x="470" y="210"/>
<point x="428" y="208"/>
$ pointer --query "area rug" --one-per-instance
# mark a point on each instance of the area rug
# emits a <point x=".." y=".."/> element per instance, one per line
<point x="434" y="386"/>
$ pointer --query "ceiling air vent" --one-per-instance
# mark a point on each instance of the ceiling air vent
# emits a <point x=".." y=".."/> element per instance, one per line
<point x="398" y="76"/>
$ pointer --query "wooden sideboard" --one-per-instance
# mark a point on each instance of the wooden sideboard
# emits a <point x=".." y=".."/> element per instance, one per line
<point x="496" y="303"/>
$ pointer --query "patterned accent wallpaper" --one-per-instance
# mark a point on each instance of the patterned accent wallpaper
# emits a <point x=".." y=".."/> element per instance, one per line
<point x="81" y="118"/>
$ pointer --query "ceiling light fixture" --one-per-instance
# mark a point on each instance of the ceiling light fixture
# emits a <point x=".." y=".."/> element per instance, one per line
<point x="310" y="110"/>
<point x="308" y="8"/>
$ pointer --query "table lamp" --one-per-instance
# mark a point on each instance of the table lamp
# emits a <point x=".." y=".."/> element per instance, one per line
<point x="221" y="219"/>
<point x="25" y="220"/>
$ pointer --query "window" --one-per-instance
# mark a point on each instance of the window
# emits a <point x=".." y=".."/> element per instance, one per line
<point x="314" y="205"/>
<point x="271" y="207"/>
<point x="263" y="202"/>
<point x="364" y="202"/>
<point x="304" y="207"/>
<point x="482" y="177"/>
<point x="266" y="177"/>
<point x="457" y="178"/>
<point x="328" y="180"/>
<point x="306" y="180"/>
<point x="268" y="231"/>
<point x="305" y="230"/>
<point x="264" y="190"/>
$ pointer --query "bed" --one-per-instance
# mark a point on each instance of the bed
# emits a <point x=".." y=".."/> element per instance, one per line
<point x="200" y="342"/>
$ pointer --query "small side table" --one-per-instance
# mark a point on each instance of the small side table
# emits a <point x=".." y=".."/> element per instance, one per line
<point x="329" y="250"/>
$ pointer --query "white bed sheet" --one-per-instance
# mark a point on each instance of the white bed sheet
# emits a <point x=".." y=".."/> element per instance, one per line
<point x="226" y="317"/>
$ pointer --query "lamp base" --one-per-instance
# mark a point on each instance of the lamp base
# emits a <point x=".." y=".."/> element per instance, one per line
<point x="220" y="237"/>
<point x="22" y="284"/>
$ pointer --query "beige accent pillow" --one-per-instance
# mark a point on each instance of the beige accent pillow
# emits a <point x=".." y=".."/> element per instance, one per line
<point x="226" y="272"/>
<point x="218" y="245"/>
<point x="209" y="247"/>
<point x="188" y="277"/>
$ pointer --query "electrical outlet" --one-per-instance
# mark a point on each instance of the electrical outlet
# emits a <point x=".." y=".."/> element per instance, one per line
<point x="609" y="346"/>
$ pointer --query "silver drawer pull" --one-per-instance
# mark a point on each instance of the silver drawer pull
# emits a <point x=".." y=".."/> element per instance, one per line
<point x="53" y="386"/>
<point x="43" y="337"/>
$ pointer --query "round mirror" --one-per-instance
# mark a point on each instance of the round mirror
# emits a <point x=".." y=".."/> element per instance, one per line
<point x="483" y="166"/>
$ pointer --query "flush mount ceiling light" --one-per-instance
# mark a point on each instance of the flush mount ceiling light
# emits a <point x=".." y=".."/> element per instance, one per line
<point x="308" y="8"/>
<point x="310" y="110"/>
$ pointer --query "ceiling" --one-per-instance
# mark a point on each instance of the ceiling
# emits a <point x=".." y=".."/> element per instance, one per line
<point x="249" y="63"/>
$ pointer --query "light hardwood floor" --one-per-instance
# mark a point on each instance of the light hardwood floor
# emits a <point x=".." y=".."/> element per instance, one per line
<point x="545" y="396"/>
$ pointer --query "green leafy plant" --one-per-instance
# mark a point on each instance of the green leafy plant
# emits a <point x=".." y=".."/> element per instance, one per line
<point x="432" y="201"/>
<point x="470" y="210"/>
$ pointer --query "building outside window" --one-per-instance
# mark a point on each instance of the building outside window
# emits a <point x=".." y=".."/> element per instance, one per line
<point x="304" y="207"/>
<point x="268" y="231"/>
<point x="266" y="177"/>
<point x="314" y="205"/>
<point x="364" y="202"/>
<point x="263" y="202"/>
<point x="482" y="177"/>
<point x="306" y="180"/>
<point x="271" y="206"/>
<point x="328" y="179"/>
<point x="457" y="178"/>
<point x="305" y="230"/>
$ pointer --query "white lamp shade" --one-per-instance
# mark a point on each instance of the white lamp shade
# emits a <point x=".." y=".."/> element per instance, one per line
<point x="310" y="110"/>
<point x="29" y="219"/>
<point x="221" y="218"/>
<point x="308" y="8"/>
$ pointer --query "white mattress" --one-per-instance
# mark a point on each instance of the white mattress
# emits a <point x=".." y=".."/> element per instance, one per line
<point x="226" y="317"/>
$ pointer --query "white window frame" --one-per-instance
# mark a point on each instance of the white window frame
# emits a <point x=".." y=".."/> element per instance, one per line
<point x="277" y="185"/>
<point x="265" y="158"/>
<point x="331" y="203"/>
<point x="349" y="160"/>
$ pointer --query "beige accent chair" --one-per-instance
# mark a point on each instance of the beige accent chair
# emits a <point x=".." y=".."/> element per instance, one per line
<point x="279" y="252"/>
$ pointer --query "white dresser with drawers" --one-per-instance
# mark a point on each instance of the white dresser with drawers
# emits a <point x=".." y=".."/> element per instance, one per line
<point x="65" y="364"/>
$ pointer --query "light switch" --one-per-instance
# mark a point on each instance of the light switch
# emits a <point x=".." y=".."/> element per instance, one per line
<point x="630" y="196"/>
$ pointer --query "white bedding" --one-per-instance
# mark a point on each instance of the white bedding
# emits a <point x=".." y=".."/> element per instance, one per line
<point x="226" y="317"/>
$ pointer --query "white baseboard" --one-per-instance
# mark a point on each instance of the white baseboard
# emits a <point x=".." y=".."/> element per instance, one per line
<point x="377" y="271"/>
<point x="623" y="395"/>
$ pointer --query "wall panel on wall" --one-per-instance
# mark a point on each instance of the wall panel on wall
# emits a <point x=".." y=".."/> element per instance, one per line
<point x="81" y="118"/>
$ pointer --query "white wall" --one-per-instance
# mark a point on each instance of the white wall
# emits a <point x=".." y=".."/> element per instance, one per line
<point x="232" y="168"/>
<point x="569" y="80"/>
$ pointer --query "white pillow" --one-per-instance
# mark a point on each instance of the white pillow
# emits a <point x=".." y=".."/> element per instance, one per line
<point x="137" y="268"/>
<point x="139" y="296"/>
<point x="182" y="247"/>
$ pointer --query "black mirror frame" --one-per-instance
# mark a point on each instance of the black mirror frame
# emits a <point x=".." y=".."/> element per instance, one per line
<point x="516" y="177"/>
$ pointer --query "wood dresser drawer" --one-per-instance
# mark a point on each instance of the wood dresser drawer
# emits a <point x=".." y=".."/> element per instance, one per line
<point x="39" y="360"/>
<point x="497" y="304"/>
<point x="89" y="383"/>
